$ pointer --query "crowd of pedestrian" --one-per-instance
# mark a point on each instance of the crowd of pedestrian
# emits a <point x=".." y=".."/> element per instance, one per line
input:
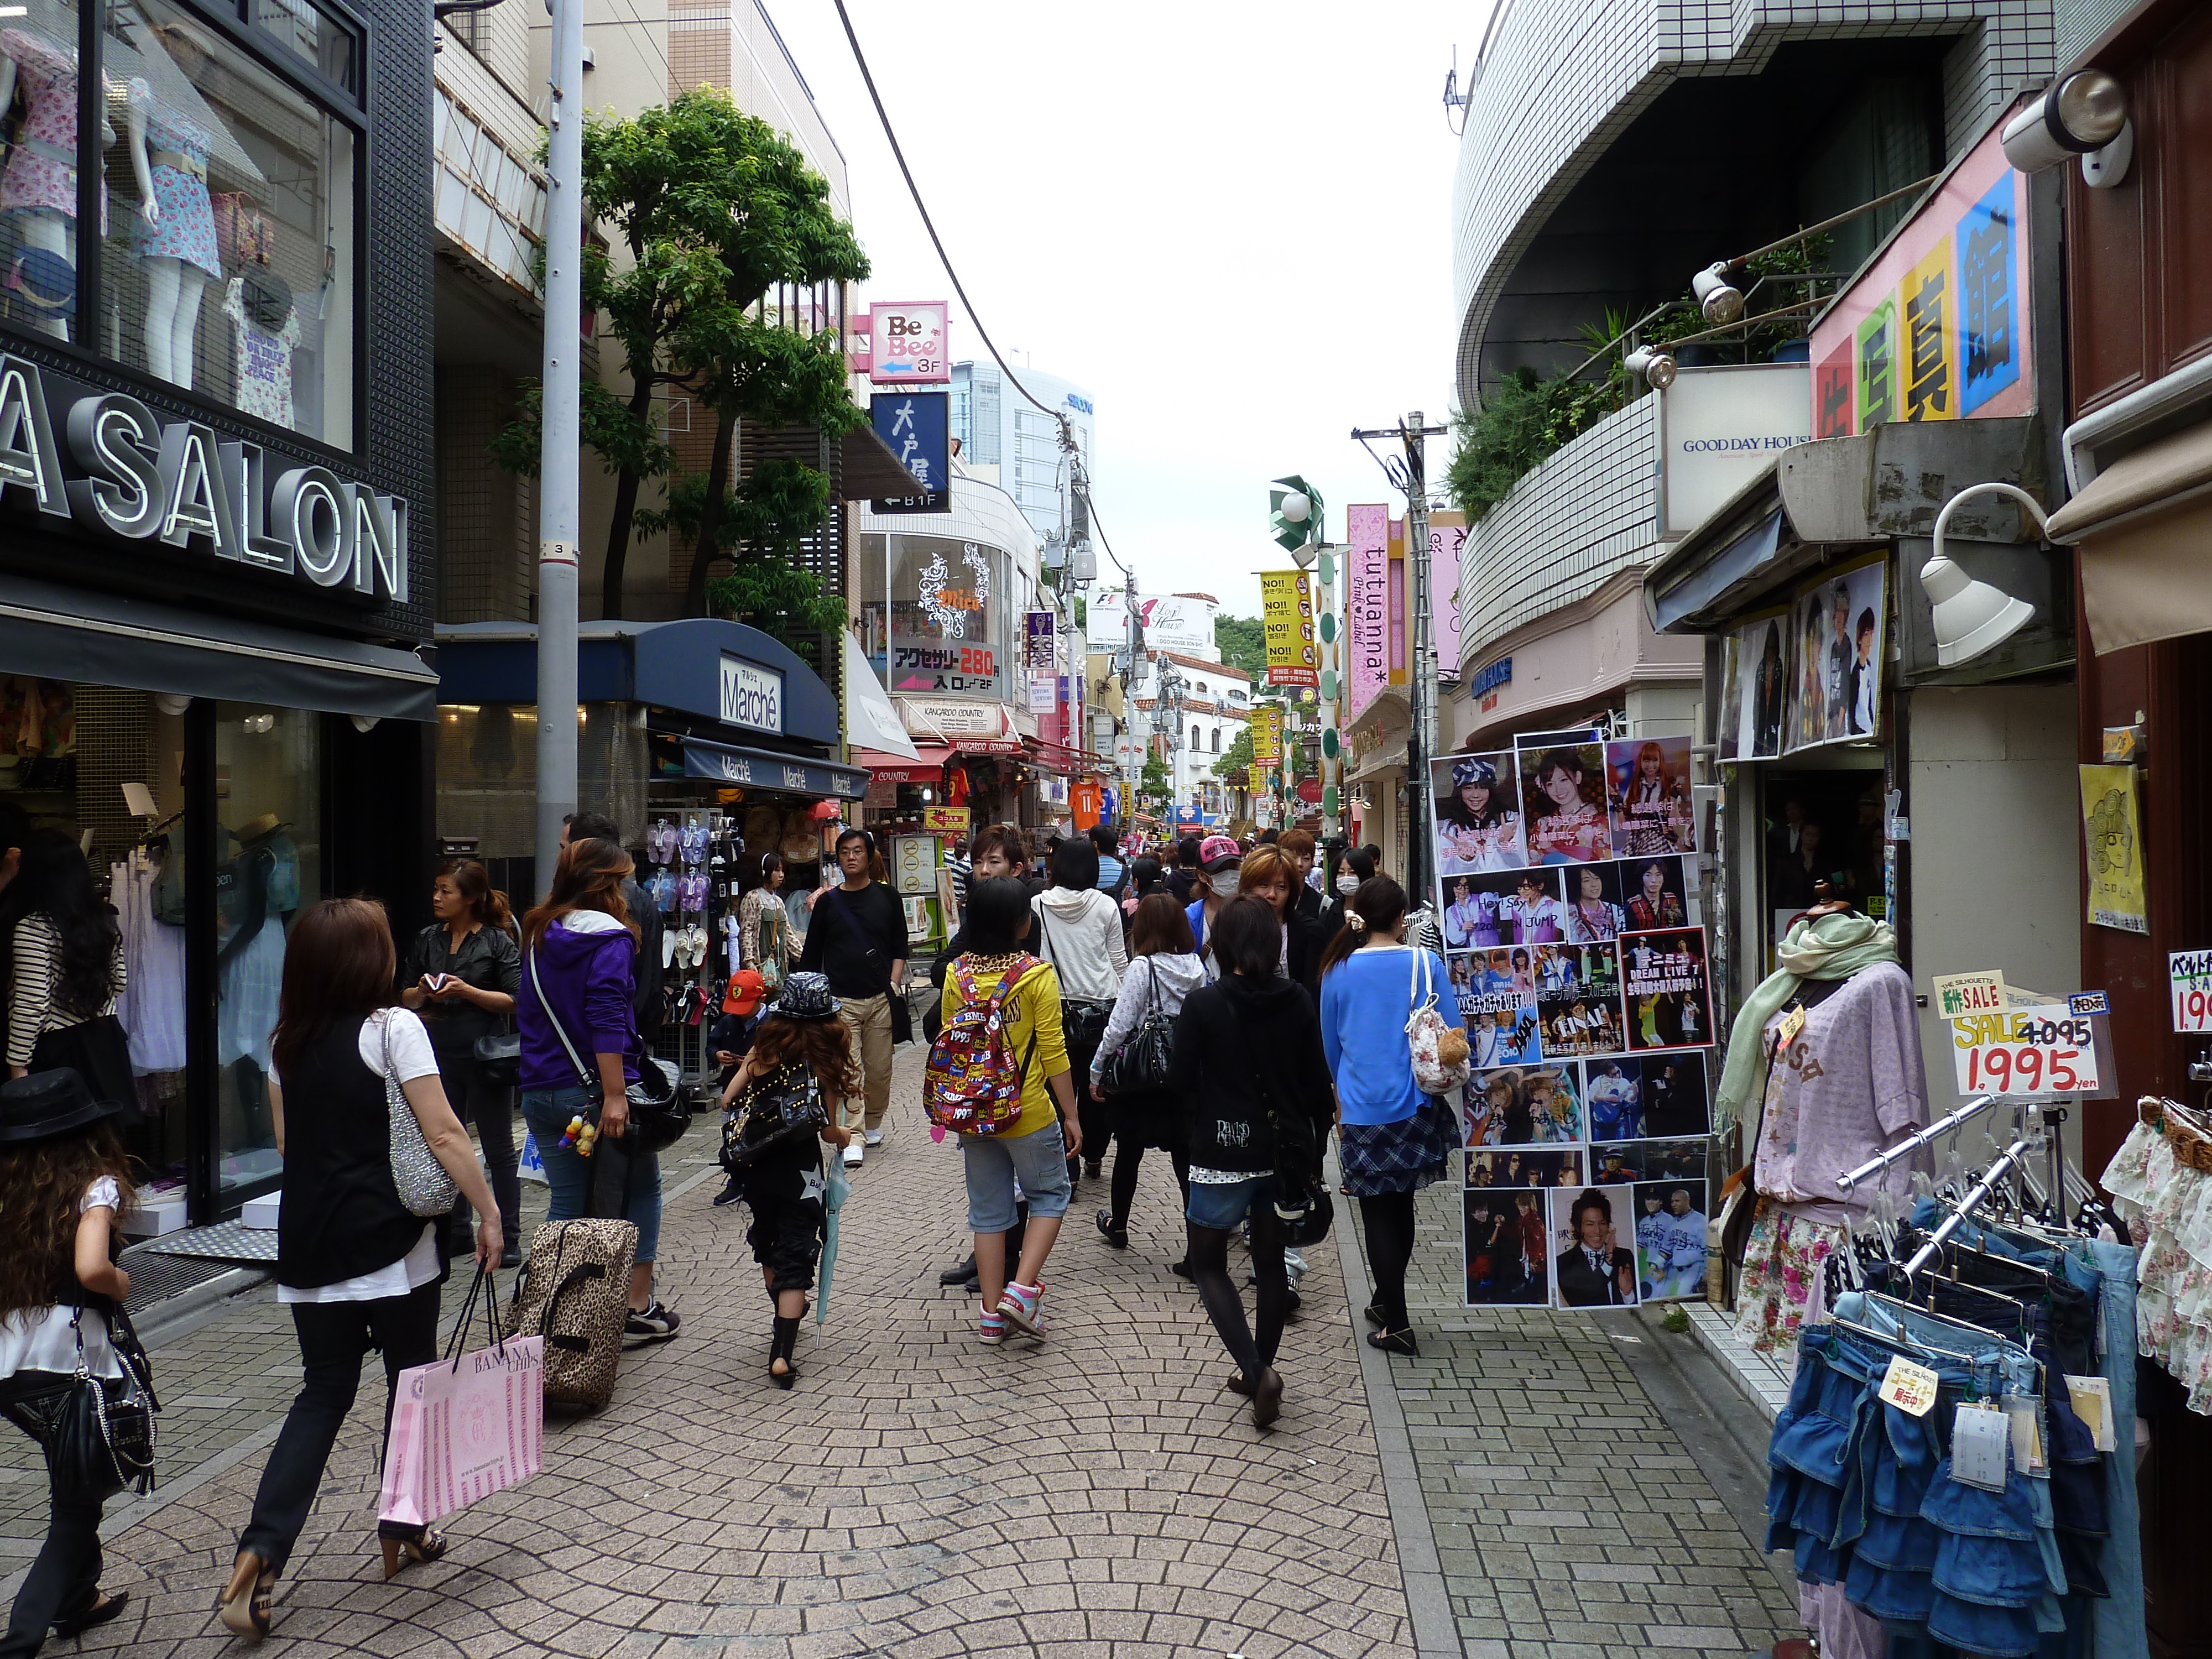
<point x="1206" y="1000"/>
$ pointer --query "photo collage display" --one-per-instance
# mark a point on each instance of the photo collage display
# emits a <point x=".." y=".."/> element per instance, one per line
<point x="1809" y="673"/>
<point x="1568" y="905"/>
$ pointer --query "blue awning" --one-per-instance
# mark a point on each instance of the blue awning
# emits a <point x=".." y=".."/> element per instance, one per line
<point x="1702" y="582"/>
<point x="762" y="768"/>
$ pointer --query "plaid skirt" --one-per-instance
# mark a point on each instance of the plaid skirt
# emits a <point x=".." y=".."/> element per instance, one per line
<point x="1381" y="1158"/>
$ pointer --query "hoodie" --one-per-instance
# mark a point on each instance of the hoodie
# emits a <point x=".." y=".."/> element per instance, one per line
<point x="1176" y="974"/>
<point x="586" y="963"/>
<point x="1080" y="933"/>
<point x="1247" y="1058"/>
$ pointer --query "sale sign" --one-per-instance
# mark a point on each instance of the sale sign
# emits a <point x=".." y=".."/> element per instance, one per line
<point x="2046" y="1049"/>
<point x="2189" y="972"/>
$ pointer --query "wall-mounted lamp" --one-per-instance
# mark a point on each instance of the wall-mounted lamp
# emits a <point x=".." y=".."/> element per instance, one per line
<point x="1720" y="300"/>
<point x="1972" y="616"/>
<point x="1655" y="368"/>
<point x="2084" y="114"/>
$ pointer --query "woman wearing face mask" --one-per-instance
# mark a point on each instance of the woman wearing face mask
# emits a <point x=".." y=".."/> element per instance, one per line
<point x="1219" y="864"/>
<point x="1355" y="866"/>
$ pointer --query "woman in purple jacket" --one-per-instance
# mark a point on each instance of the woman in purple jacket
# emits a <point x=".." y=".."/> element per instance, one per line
<point x="579" y="967"/>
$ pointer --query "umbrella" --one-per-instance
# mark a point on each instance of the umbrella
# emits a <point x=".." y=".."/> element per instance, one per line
<point x="833" y="1194"/>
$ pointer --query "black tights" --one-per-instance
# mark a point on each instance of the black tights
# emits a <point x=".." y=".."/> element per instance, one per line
<point x="1252" y="1348"/>
<point x="1389" y="1221"/>
<point x="1128" y="1157"/>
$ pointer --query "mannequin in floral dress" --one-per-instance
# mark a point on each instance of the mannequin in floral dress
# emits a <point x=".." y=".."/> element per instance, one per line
<point x="39" y="190"/>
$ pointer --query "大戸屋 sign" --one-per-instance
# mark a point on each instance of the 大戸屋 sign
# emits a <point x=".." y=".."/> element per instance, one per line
<point x="105" y="462"/>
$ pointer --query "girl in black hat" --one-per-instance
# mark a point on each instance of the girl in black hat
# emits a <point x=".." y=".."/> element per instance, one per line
<point x="802" y="1045"/>
<point x="64" y="1181"/>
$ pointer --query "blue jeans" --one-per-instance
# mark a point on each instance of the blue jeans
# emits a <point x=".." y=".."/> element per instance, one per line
<point x="2117" y="1620"/>
<point x="1226" y="1205"/>
<point x="547" y="1111"/>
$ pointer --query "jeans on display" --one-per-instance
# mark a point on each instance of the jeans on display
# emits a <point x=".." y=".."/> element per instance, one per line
<point x="2117" y="1620"/>
<point x="66" y="1577"/>
<point x="1861" y="1492"/>
<point x="568" y="1175"/>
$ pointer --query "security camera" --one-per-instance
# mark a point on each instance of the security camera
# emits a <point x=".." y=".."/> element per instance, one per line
<point x="2085" y="114"/>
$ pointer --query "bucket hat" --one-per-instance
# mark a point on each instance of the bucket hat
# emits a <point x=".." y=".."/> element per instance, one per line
<point x="46" y="1105"/>
<point x="807" y="996"/>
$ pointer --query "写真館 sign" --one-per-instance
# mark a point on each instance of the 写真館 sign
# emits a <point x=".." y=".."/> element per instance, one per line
<point x="105" y="461"/>
<point x="752" y="696"/>
<point x="908" y="341"/>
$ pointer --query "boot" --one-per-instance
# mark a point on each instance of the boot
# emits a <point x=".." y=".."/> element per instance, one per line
<point x="779" y="1352"/>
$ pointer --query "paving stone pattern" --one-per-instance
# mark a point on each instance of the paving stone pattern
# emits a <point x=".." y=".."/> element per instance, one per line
<point x="917" y="1494"/>
<point x="1569" y="1521"/>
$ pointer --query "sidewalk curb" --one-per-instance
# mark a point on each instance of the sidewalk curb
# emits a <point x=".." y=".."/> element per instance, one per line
<point x="1428" y="1603"/>
<point x="157" y="1323"/>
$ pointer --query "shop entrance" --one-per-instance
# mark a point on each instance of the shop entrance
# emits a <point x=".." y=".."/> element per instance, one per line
<point x="1819" y="826"/>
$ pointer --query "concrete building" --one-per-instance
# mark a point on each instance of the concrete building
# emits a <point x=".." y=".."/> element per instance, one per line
<point x="999" y="427"/>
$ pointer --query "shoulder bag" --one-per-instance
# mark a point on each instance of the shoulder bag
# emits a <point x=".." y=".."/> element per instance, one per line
<point x="776" y="1112"/>
<point x="1140" y="1064"/>
<point x="660" y="1106"/>
<point x="1082" y="1019"/>
<point x="423" y="1185"/>
<point x="1425" y="1031"/>
<point x="102" y="1433"/>
<point x="1740" y="1190"/>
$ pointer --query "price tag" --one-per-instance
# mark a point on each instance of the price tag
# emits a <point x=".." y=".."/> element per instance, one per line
<point x="1909" y="1387"/>
<point x="1981" y="1447"/>
<point x="2190" y="974"/>
<point x="2092" y="1397"/>
<point x="1792" y="1023"/>
<point x="2025" y="1414"/>
<point x="2046" y="1050"/>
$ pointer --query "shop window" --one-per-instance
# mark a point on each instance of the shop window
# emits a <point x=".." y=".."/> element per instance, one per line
<point x="268" y="809"/>
<point x="225" y="198"/>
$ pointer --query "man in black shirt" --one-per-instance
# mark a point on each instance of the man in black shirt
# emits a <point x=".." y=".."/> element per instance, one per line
<point x="857" y="936"/>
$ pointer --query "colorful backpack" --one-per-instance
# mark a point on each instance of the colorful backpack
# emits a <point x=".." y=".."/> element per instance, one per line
<point x="971" y="1084"/>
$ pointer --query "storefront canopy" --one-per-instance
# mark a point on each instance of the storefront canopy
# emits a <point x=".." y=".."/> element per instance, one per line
<point x="760" y="769"/>
<point x="701" y="666"/>
<point x="2144" y="528"/>
<point x="105" y="639"/>
<point x="928" y="765"/>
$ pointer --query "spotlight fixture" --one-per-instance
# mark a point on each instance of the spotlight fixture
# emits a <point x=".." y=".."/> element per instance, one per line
<point x="2084" y="114"/>
<point x="1655" y="368"/>
<point x="1972" y="616"/>
<point x="1721" y="301"/>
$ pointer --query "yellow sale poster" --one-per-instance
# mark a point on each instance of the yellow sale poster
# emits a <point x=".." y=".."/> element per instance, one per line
<point x="1286" y="611"/>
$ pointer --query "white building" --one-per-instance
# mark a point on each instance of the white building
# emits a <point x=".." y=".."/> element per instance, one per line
<point x="1011" y="440"/>
<point x="1216" y="704"/>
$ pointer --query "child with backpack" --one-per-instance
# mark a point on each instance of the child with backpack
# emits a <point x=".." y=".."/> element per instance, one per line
<point x="998" y="1076"/>
<point x="785" y="1096"/>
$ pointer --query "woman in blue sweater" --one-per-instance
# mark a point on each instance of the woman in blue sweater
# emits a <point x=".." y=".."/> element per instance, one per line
<point x="1392" y="1144"/>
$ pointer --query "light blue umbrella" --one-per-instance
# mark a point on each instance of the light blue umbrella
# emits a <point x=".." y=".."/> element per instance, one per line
<point x="834" y="1195"/>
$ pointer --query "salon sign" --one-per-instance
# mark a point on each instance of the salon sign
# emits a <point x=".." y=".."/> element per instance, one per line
<point x="105" y="461"/>
<point x="2044" y="1049"/>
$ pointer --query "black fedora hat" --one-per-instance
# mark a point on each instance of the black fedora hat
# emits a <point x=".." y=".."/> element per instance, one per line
<point x="46" y="1104"/>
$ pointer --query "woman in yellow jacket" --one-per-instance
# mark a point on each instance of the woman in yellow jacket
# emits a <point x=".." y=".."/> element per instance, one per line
<point x="1036" y="1151"/>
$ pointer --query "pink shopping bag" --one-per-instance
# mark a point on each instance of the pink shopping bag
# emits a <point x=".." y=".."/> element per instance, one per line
<point x="463" y="1429"/>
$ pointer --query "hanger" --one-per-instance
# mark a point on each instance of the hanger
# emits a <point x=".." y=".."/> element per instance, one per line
<point x="1906" y="1339"/>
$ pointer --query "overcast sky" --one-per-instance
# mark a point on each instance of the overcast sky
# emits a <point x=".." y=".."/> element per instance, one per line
<point x="1229" y="221"/>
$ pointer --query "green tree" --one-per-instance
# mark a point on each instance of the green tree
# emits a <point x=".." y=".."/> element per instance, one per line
<point x="1153" y="784"/>
<point x="712" y="210"/>
<point x="1239" y="753"/>
<point x="1242" y="642"/>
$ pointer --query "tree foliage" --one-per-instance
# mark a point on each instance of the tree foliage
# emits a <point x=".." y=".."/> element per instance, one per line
<point x="709" y="211"/>
<point x="1239" y="753"/>
<point x="1242" y="642"/>
<point x="1153" y="784"/>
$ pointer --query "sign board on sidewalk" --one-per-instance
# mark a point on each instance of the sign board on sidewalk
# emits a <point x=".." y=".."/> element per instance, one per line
<point x="2046" y="1050"/>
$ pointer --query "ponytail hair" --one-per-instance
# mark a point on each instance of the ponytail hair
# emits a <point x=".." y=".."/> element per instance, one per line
<point x="485" y="901"/>
<point x="1378" y="906"/>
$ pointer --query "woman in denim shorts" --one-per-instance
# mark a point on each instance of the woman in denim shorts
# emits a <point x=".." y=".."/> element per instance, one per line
<point x="1253" y="1081"/>
<point x="1037" y="1150"/>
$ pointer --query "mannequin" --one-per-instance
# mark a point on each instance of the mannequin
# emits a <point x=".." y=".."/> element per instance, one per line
<point x="39" y="186"/>
<point x="175" y="234"/>
<point x="266" y="327"/>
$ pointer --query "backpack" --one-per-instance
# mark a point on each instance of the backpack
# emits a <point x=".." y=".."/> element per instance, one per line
<point x="573" y="1292"/>
<point x="971" y="1083"/>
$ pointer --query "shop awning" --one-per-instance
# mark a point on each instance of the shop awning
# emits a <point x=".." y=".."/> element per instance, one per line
<point x="763" y="769"/>
<point x="2144" y="529"/>
<point x="105" y="639"/>
<point x="870" y="719"/>
<point x="1700" y="584"/>
<point x="926" y="767"/>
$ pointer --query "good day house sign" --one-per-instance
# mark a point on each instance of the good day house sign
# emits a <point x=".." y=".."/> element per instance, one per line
<point x="175" y="483"/>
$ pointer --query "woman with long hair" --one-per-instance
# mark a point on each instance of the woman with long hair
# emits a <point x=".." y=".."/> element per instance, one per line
<point x="1250" y="1071"/>
<point x="1164" y="971"/>
<point x="801" y="1044"/>
<point x="1654" y="807"/>
<point x="358" y="1270"/>
<point x="1770" y="692"/>
<point x="1391" y="1142"/>
<point x="1568" y="827"/>
<point x="67" y="971"/>
<point x="1080" y="933"/>
<point x="763" y="941"/>
<point x="64" y="1181"/>
<point x="1355" y="868"/>
<point x="463" y="971"/>
<point x="580" y="950"/>
<point x="1477" y="827"/>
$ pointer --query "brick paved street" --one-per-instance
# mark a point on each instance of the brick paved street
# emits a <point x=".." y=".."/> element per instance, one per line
<point x="918" y="1494"/>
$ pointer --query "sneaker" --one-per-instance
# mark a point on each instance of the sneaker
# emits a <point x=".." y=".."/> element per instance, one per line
<point x="652" y="1324"/>
<point x="852" y="1156"/>
<point x="872" y="1137"/>
<point x="1018" y="1307"/>
<point x="991" y="1330"/>
<point x="730" y="1193"/>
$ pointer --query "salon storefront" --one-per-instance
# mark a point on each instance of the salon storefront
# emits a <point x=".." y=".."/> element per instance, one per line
<point x="215" y="566"/>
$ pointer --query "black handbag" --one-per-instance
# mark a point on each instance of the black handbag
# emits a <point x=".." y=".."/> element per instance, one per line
<point x="98" y="1432"/>
<point x="1140" y="1064"/>
<point x="778" y="1111"/>
<point x="499" y="1057"/>
<point x="660" y="1104"/>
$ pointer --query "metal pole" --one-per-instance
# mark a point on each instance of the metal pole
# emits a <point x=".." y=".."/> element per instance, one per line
<point x="558" y="469"/>
<point x="1418" y="671"/>
<point x="1332" y="762"/>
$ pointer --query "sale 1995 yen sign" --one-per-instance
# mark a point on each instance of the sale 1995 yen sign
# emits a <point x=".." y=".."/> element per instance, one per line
<point x="2042" y="1050"/>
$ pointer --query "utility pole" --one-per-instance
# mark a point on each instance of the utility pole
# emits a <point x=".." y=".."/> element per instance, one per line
<point x="557" y="510"/>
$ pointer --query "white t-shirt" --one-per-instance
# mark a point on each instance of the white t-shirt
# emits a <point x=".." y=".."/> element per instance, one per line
<point x="40" y="1340"/>
<point x="411" y="1058"/>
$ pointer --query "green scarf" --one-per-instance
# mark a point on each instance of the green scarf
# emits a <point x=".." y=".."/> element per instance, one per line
<point x="1829" y="947"/>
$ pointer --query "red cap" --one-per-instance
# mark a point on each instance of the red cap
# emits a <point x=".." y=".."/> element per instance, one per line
<point x="747" y="988"/>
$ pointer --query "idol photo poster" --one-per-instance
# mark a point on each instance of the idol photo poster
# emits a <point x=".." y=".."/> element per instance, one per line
<point x="1477" y="813"/>
<point x="1668" y="989"/>
<point x="1838" y="625"/>
<point x="1755" y="699"/>
<point x="1648" y="796"/>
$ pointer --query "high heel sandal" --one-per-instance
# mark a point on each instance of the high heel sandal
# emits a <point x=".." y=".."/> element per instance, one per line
<point x="786" y="1339"/>
<point x="244" y="1603"/>
<point x="98" y="1613"/>
<point x="403" y="1549"/>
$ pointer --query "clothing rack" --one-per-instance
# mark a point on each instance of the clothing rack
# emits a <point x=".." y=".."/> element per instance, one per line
<point x="1912" y="1143"/>
<point x="1981" y="1189"/>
